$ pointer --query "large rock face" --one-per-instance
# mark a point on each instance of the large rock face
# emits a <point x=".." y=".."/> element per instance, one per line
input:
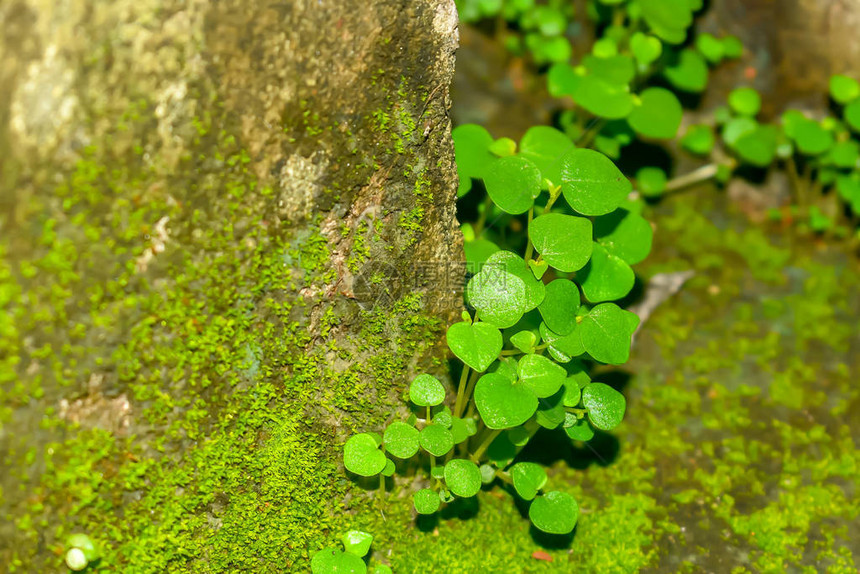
<point x="227" y="238"/>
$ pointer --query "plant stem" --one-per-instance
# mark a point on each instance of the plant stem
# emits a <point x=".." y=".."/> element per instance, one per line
<point x="482" y="217"/>
<point x="476" y="456"/>
<point x="470" y="386"/>
<point x="699" y="175"/>
<point x="461" y="389"/>
<point x="591" y="130"/>
<point x="530" y="246"/>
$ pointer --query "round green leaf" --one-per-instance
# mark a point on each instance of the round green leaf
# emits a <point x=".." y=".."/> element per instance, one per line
<point x="426" y="391"/>
<point x="843" y="89"/>
<point x="651" y="182"/>
<point x="607" y="277"/>
<point x="658" y="116"/>
<point x="463" y="477"/>
<point x="502" y="451"/>
<point x="550" y="413"/>
<point x="426" y="501"/>
<point x="602" y="98"/>
<point x="401" y="440"/>
<point x="544" y="146"/>
<point x="471" y="151"/>
<point x="477" y="252"/>
<point x="515" y="265"/>
<point x="503" y="147"/>
<point x="736" y="128"/>
<point x="699" y="140"/>
<point x="710" y="47"/>
<point x="591" y="183"/>
<point x="503" y="404"/>
<point x="668" y="19"/>
<point x="688" y="72"/>
<point x="606" y="332"/>
<point x="362" y="456"/>
<point x="745" y="101"/>
<point x="562" y="80"/>
<point x="528" y="479"/>
<point x="758" y="147"/>
<point x="436" y="439"/>
<point x="382" y="569"/>
<point x="524" y="341"/>
<point x="357" y="542"/>
<point x="459" y="430"/>
<point x="554" y="513"/>
<point x="548" y="50"/>
<point x="559" y="306"/>
<point x="810" y="136"/>
<point x="513" y="183"/>
<point x="488" y="473"/>
<point x="852" y="115"/>
<point x="572" y="392"/>
<point x="477" y="345"/>
<point x="541" y="375"/>
<point x="336" y="561"/>
<point x="499" y="296"/>
<point x="579" y="429"/>
<point x="646" y="49"/>
<point x="844" y="154"/>
<point x="605" y="405"/>
<point x="624" y="234"/>
<point x="618" y="71"/>
<point x="507" y="367"/>
<point x="564" y="241"/>
<point x="444" y="417"/>
<point x="562" y="348"/>
<point x="732" y="47"/>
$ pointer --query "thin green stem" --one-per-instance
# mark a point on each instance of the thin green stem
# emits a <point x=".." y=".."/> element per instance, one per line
<point x="470" y="387"/>
<point x="591" y="132"/>
<point x="461" y="389"/>
<point x="482" y="217"/>
<point x="491" y="436"/>
<point x="530" y="247"/>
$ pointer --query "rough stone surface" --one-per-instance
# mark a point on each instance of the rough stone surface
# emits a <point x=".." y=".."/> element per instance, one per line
<point x="226" y="240"/>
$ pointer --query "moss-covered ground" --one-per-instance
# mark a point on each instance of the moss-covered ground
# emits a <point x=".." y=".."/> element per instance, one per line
<point x="739" y="452"/>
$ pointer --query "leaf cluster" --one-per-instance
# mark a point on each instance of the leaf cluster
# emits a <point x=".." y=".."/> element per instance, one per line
<point x="350" y="559"/>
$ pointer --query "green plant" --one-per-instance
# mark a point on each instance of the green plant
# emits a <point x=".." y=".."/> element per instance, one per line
<point x="538" y="319"/>
<point x="81" y="551"/>
<point x="350" y="560"/>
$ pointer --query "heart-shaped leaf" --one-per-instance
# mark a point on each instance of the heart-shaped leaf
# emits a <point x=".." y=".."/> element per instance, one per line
<point x="362" y="456"/>
<point x="689" y="72"/>
<point x="658" y="114"/>
<point x="551" y="411"/>
<point x="602" y="98"/>
<point x="515" y="265"/>
<point x="477" y="345"/>
<point x="646" y="49"/>
<point x="606" y="277"/>
<point x="401" y="440"/>
<point x="668" y="19"/>
<point x="499" y="296"/>
<point x="844" y="89"/>
<point x="471" y="150"/>
<point x="426" y="391"/>
<point x="336" y="561"/>
<point x="503" y="404"/>
<point x="699" y="139"/>
<point x="560" y="305"/>
<point x="538" y="268"/>
<point x="606" y="332"/>
<point x="745" y="101"/>
<point x="426" y="501"/>
<point x="524" y="341"/>
<point x="572" y="392"/>
<point x="436" y="439"/>
<point x="624" y="234"/>
<point x="554" y="513"/>
<point x="578" y="429"/>
<point x="591" y="183"/>
<point x="562" y="347"/>
<point x="357" y="542"/>
<point x="463" y="477"/>
<point x="605" y="405"/>
<point x="564" y="241"/>
<point x="541" y="375"/>
<point x="513" y="183"/>
<point x="528" y="479"/>
<point x="461" y="429"/>
<point x="544" y="146"/>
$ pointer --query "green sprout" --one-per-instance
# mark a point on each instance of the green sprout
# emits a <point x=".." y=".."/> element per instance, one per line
<point x="350" y="560"/>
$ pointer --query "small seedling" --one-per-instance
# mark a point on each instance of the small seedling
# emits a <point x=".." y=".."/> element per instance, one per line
<point x="350" y="560"/>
